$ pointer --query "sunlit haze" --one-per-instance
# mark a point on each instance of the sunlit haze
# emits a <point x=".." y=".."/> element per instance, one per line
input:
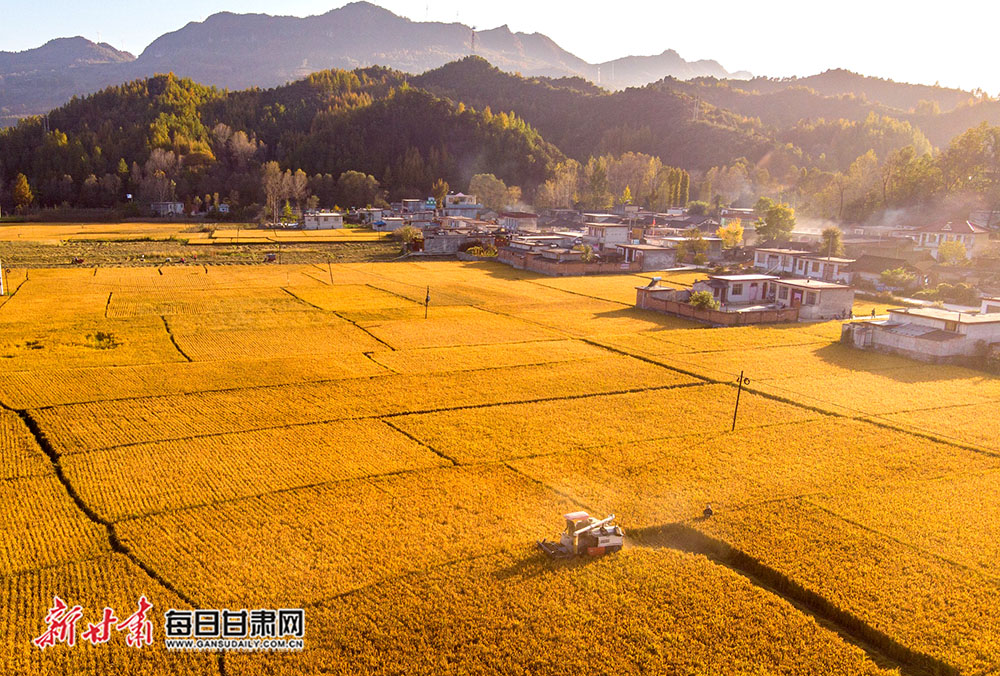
<point x="949" y="44"/>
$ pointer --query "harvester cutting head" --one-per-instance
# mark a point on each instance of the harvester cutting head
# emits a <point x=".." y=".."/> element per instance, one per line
<point x="585" y="536"/>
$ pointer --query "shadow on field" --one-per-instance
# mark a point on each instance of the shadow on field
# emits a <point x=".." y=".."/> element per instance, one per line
<point x="900" y="369"/>
<point x="535" y="564"/>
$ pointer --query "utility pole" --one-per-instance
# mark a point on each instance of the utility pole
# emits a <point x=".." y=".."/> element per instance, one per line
<point x="742" y="381"/>
<point x="427" y="301"/>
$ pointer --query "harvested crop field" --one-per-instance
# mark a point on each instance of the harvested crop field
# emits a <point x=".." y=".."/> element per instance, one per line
<point x="302" y="436"/>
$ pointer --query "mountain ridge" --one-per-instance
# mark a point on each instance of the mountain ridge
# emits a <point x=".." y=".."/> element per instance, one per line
<point x="236" y="51"/>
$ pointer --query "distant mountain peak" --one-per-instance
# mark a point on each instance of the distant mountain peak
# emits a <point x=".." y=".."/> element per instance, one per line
<point x="237" y="51"/>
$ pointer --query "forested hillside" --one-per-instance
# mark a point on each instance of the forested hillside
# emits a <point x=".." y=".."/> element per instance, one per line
<point x="167" y="137"/>
<point x="350" y="138"/>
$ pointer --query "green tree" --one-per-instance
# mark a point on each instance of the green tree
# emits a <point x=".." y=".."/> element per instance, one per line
<point x="587" y="254"/>
<point x="693" y="247"/>
<point x="704" y="300"/>
<point x="833" y="244"/>
<point x="731" y="234"/>
<point x="952" y="253"/>
<point x="407" y="234"/>
<point x="698" y="208"/>
<point x="762" y="206"/>
<point x="489" y="190"/>
<point x="357" y="189"/>
<point x="286" y="213"/>
<point x="626" y="196"/>
<point x="898" y="278"/>
<point x="779" y="221"/>
<point x="21" y="192"/>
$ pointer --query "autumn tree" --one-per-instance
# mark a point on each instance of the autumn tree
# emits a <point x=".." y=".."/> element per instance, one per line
<point x="21" y="192"/>
<point x="731" y="234"/>
<point x="952" y="252"/>
<point x="274" y="188"/>
<point x="439" y="190"/>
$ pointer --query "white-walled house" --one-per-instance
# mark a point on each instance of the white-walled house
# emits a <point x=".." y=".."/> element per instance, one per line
<point x="322" y="220"/>
<point x="827" y="268"/>
<point x="975" y="238"/>
<point x="802" y="264"/>
<point x="460" y="204"/>
<point x="518" y="220"/>
<point x="737" y="289"/>
<point x="928" y="334"/>
<point x="607" y="236"/>
<point x="777" y="260"/>
<point x="167" y="208"/>
<point x="815" y="299"/>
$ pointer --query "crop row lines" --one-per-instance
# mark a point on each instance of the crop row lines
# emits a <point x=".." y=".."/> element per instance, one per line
<point x="863" y="416"/>
<point x="876" y="643"/>
<point x="114" y="541"/>
<point x="381" y="416"/>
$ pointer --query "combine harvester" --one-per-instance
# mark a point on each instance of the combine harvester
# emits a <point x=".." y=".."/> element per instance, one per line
<point x="585" y="536"/>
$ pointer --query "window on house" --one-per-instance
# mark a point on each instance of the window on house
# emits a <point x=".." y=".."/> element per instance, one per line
<point x="799" y="265"/>
<point x="783" y="292"/>
<point x="737" y="289"/>
<point x="810" y="297"/>
<point x="761" y="258"/>
<point x="815" y="266"/>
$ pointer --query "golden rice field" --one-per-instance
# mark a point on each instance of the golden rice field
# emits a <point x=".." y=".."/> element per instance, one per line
<point x="301" y="436"/>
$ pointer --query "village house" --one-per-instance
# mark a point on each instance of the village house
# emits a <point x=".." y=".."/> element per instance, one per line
<point x="677" y="302"/>
<point x="167" y="208"/>
<point x="389" y="224"/>
<point x="929" y="334"/>
<point x="464" y="222"/>
<point x="408" y="206"/>
<point x="975" y="238"/>
<point x="781" y="261"/>
<point x="453" y="241"/>
<point x="421" y="219"/>
<point x="607" y="236"/>
<point x="868" y="269"/>
<point x="648" y="256"/>
<point x="539" y="241"/>
<point x="713" y="251"/>
<point x="460" y="204"/>
<point x="755" y="299"/>
<point x="518" y="220"/>
<point x="737" y="289"/>
<point x="815" y="299"/>
<point x="601" y="218"/>
<point x="370" y="216"/>
<point x="827" y="268"/>
<point x="802" y="264"/>
<point x="322" y="220"/>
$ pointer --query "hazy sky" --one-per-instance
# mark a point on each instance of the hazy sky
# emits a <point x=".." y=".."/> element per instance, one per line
<point x="951" y="43"/>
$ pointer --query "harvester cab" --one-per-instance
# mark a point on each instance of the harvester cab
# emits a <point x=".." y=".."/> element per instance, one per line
<point x="585" y="536"/>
